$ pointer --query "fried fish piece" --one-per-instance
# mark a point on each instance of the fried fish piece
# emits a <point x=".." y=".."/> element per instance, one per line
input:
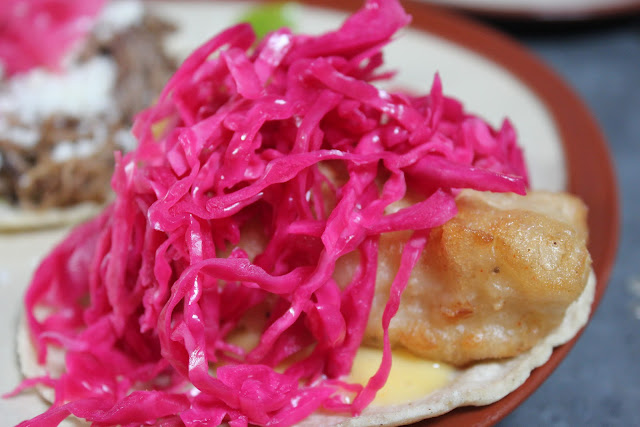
<point x="491" y="282"/>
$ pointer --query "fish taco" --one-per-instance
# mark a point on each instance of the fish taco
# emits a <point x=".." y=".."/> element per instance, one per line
<point x="291" y="244"/>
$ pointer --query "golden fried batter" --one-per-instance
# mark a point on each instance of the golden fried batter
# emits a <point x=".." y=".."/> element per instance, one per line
<point x="492" y="281"/>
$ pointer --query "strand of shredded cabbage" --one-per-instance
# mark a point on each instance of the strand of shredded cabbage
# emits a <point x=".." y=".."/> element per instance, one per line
<point x="39" y="33"/>
<point x="142" y="300"/>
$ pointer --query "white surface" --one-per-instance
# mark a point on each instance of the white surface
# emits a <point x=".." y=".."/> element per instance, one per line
<point x="567" y="8"/>
<point x="19" y="255"/>
<point x="482" y="85"/>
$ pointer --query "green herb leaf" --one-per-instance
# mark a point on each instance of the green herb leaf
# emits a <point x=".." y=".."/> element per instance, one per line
<point x="270" y="16"/>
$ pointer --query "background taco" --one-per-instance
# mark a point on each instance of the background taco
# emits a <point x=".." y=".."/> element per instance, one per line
<point x="67" y="108"/>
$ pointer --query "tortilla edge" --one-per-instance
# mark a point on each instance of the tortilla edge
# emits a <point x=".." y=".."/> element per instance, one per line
<point x="15" y="219"/>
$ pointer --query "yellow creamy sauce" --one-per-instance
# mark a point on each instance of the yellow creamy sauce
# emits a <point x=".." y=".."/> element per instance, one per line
<point x="411" y="377"/>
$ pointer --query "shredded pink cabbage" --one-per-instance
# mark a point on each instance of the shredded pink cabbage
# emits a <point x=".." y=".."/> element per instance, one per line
<point x="142" y="298"/>
<point x="38" y="33"/>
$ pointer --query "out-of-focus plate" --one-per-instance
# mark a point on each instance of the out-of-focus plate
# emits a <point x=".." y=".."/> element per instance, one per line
<point x="544" y="9"/>
<point x="495" y="78"/>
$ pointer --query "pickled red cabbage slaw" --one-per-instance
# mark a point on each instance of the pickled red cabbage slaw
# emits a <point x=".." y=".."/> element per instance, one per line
<point x="144" y="298"/>
<point x="38" y="33"/>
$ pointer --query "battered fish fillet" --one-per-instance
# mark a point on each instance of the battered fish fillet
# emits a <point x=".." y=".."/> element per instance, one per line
<point x="492" y="281"/>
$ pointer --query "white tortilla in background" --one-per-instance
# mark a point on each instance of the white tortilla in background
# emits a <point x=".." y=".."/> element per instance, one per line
<point x="14" y="218"/>
<point x="480" y="384"/>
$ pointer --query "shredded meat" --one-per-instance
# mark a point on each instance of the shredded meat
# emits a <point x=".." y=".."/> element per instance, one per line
<point x="32" y="178"/>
